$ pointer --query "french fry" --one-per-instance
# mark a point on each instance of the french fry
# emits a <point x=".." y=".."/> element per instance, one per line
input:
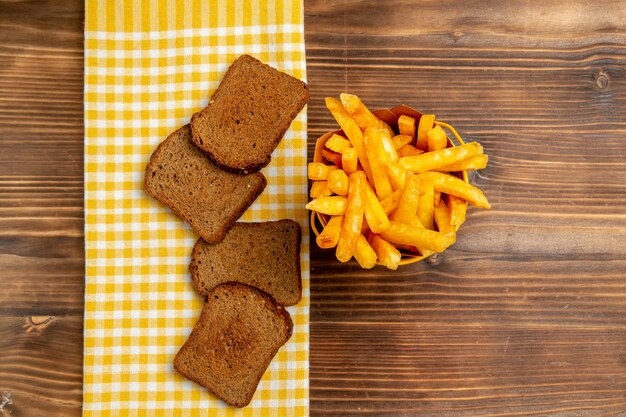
<point x="318" y="171"/>
<point x="452" y="185"/>
<point x="391" y="202"/>
<point x="375" y="215"/>
<point x="338" y="182"/>
<point x="426" y="204"/>
<point x="374" y="149"/>
<point x="319" y="189"/>
<point x="400" y="140"/>
<point x="386" y="253"/>
<point x="425" y="124"/>
<point x="422" y="238"/>
<point x="338" y="143"/>
<point x="352" y="131"/>
<point x="381" y="194"/>
<point x="365" y="228"/>
<point x="364" y="254"/>
<point x="430" y="161"/>
<point x="353" y="218"/>
<point x="415" y="221"/>
<point x="397" y="175"/>
<point x="406" y="125"/>
<point x="442" y="218"/>
<point x="349" y="161"/>
<point x="332" y="157"/>
<point x="330" y="235"/>
<point x="473" y="163"/>
<point x="409" y="150"/>
<point x="331" y="205"/>
<point x="360" y="113"/>
<point x="458" y="209"/>
<point x="437" y="139"/>
<point x="409" y="200"/>
<point x="391" y="155"/>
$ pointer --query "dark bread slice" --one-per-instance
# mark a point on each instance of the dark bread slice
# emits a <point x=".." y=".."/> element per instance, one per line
<point x="238" y="333"/>
<point x="248" y="115"/>
<point x="207" y="197"/>
<point x="264" y="255"/>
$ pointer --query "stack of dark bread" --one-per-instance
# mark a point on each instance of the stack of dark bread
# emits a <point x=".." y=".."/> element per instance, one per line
<point x="208" y="173"/>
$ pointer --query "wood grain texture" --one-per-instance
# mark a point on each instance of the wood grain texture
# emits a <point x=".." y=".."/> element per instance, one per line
<point x="41" y="206"/>
<point x="524" y="316"/>
<point x="41" y="364"/>
<point x="41" y="163"/>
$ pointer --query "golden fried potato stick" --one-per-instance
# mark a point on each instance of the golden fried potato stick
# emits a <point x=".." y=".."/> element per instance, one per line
<point x="401" y="140"/>
<point x="452" y="185"/>
<point x="415" y="221"/>
<point x="390" y="153"/>
<point x="349" y="161"/>
<point x="426" y="205"/>
<point x="397" y="175"/>
<point x="473" y="163"/>
<point x="330" y="235"/>
<point x="437" y="139"/>
<point x="458" y="209"/>
<point x="375" y="215"/>
<point x="422" y="238"/>
<point x="353" y="218"/>
<point x="352" y="131"/>
<point x="319" y="171"/>
<point x="338" y="182"/>
<point x="406" y="125"/>
<point x="319" y="189"/>
<point x="386" y="253"/>
<point x="409" y="201"/>
<point x="391" y="202"/>
<point x="338" y="143"/>
<point x="374" y="149"/>
<point x="360" y="113"/>
<point x="409" y="150"/>
<point x="364" y="254"/>
<point x="442" y="218"/>
<point x="430" y="161"/>
<point x="426" y="123"/>
<point x="332" y="205"/>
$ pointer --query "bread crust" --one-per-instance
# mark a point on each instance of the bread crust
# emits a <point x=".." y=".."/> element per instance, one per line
<point x="231" y="139"/>
<point x="249" y="263"/>
<point x="199" y="335"/>
<point x="257" y="179"/>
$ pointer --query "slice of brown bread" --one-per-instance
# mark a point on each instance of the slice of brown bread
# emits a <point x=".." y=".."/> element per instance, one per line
<point x="207" y="197"/>
<point x="248" y="115"/>
<point x="238" y="333"/>
<point x="265" y="255"/>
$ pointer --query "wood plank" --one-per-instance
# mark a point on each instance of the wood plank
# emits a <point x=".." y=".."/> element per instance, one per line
<point x="41" y="206"/>
<point x="524" y="315"/>
<point x="41" y="364"/>
<point x="470" y="335"/>
<point x="41" y="166"/>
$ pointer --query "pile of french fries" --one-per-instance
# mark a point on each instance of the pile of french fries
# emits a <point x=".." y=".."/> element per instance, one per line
<point x="383" y="191"/>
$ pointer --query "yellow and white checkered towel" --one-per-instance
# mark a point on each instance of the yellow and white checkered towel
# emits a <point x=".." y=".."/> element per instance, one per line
<point x="149" y="65"/>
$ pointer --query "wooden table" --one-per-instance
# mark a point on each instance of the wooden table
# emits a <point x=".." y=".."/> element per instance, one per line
<point x="524" y="316"/>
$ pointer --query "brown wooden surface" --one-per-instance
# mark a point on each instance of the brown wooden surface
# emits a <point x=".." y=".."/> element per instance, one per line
<point x="524" y="316"/>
